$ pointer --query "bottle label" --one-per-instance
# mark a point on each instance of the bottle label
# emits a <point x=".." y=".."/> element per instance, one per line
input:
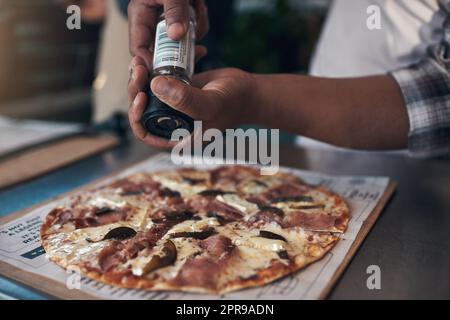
<point x="169" y="52"/>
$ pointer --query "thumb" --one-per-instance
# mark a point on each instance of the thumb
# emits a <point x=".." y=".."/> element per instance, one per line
<point x="181" y="96"/>
<point x="177" y="18"/>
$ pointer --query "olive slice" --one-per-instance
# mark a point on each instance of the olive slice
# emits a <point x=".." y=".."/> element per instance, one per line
<point x="201" y="235"/>
<point x="273" y="210"/>
<point x="167" y="257"/>
<point x="132" y="192"/>
<point x="292" y="199"/>
<point x="212" y="193"/>
<point x="120" y="233"/>
<point x="103" y="210"/>
<point x="169" y="193"/>
<point x="306" y="207"/>
<point x="271" y="235"/>
<point x="213" y="214"/>
<point x="283" y="254"/>
<point x="192" y="181"/>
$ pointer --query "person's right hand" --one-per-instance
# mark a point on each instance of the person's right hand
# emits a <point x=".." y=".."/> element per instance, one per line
<point x="143" y="17"/>
<point x="221" y="99"/>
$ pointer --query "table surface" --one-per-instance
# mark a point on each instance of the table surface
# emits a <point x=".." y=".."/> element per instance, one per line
<point x="410" y="242"/>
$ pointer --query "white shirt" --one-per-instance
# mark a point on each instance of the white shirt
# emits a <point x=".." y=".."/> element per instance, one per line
<point x="348" y="48"/>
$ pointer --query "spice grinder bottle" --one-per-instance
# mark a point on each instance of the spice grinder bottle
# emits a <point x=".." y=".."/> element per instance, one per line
<point x="174" y="59"/>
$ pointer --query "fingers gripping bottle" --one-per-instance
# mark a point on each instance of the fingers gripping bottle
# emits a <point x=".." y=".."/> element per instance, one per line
<point x="174" y="59"/>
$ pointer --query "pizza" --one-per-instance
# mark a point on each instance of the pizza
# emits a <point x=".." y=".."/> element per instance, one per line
<point x="210" y="231"/>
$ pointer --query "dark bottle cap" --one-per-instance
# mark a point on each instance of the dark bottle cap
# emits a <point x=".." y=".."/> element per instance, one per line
<point x="161" y="120"/>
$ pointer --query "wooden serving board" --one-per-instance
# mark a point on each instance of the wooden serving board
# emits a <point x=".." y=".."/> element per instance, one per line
<point x="41" y="160"/>
<point x="362" y="234"/>
<point x="58" y="290"/>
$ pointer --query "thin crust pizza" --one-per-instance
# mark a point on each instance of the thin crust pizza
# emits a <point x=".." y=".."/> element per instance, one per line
<point x="211" y="231"/>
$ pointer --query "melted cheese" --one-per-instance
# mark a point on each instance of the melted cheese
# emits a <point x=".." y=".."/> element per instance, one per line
<point x="237" y="202"/>
<point x="251" y="186"/>
<point x="261" y="243"/>
<point x="246" y="262"/>
<point x="72" y="252"/>
<point x="296" y="238"/>
<point x="193" y="226"/>
<point x="102" y="202"/>
<point x="184" y="188"/>
<point x="139" y="218"/>
<point x="65" y="228"/>
<point x="94" y="234"/>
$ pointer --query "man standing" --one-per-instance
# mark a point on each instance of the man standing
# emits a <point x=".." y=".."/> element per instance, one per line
<point x="386" y="89"/>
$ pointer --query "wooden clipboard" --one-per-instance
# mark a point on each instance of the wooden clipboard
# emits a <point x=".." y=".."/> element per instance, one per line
<point x="58" y="290"/>
<point x="41" y="160"/>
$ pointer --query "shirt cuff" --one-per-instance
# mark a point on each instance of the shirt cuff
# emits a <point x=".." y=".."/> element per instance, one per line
<point x="426" y="90"/>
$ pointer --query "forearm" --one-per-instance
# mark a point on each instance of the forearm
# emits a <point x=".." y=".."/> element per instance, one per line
<point x="363" y="113"/>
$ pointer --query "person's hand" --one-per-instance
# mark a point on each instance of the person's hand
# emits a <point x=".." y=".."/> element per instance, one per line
<point x="143" y="17"/>
<point x="221" y="99"/>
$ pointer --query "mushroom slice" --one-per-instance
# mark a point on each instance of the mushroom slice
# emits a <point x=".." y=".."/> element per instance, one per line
<point x="271" y="235"/>
<point x="167" y="257"/>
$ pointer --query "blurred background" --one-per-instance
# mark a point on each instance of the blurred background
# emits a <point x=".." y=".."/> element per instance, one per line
<point x="48" y="72"/>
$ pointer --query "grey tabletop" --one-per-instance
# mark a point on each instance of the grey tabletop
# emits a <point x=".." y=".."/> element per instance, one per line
<point x="410" y="242"/>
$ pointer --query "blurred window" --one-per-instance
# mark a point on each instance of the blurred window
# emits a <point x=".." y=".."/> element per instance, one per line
<point x="39" y="55"/>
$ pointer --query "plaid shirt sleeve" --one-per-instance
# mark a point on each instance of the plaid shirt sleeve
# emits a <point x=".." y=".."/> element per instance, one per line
<point x="426" y="90"/>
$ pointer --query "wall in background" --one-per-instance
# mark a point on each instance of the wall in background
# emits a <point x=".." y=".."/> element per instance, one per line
<point x="39" y="56"/>
<point x="46" y="71"/>
<point x="273" y="36"/>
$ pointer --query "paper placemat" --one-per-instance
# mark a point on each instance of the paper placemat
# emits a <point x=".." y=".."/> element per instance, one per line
<point x="23" y="259"/>
<point x="18" y="133"/>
